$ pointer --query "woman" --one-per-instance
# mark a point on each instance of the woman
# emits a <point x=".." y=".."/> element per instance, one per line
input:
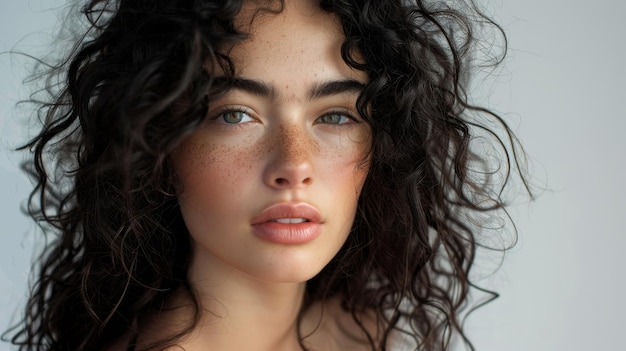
<point x="259" y="175"/>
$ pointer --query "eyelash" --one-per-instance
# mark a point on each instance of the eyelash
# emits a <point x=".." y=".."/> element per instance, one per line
<point x="350" y="118"/>
<point x="230" y="110"/>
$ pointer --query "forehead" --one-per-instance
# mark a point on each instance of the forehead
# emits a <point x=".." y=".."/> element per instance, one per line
<point x="298" y="40"/>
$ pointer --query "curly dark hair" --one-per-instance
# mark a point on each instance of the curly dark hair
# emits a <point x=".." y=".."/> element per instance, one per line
<point x="135" y="85"/>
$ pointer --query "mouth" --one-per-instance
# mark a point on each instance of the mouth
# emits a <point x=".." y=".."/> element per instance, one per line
<point x="288" y="223"/>
<point x="289" y="213"/>
<point x="289" y="220"/>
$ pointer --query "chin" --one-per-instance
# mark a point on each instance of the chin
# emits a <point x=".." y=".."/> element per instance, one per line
<point x="288" y="270"/>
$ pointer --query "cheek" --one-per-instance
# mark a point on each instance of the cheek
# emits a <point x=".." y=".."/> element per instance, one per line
<point x="347" y="161"/>
<point x="210" y="172"/>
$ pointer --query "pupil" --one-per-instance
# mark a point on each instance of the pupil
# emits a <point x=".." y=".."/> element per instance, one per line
<point x="233" y="117"/>
<point x="333" y="118"/>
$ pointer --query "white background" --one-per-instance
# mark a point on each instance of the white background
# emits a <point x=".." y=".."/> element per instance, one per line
<point x="562" y="287"/>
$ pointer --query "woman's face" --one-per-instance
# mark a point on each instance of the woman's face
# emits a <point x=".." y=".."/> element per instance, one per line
<point x="270" y="182"/>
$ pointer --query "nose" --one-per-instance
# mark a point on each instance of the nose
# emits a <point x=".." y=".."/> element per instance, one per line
<point x="290" y="163"/>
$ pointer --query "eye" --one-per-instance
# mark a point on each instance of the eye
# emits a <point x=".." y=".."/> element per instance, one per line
<point x="336" y="118"/>
<point x="236" y="116"/>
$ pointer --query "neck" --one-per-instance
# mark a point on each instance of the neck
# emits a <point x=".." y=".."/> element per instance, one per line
<point x="265" y="313"/>
<point x="237" y="312"/>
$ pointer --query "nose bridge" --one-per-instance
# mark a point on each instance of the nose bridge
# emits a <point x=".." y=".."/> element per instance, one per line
<point x="293" y="145"/>
<point x="291" y="161"/>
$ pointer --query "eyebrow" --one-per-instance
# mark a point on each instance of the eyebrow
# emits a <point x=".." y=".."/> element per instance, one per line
<point x="259" y="88"/>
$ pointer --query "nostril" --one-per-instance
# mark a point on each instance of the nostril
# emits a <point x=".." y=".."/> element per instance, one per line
<point x="286" y="182"/>
<point x="282" y="181"/>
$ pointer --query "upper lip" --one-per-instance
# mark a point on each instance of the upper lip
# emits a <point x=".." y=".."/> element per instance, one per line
<point x="289" y="210"/>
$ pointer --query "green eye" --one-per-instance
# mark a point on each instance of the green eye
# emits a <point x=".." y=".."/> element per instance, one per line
<point x="334" y="118"/>
<point x="234" y="117"/>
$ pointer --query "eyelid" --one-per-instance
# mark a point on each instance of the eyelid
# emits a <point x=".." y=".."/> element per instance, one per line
<point x="216" y="113"/>
<point x="349" y="113"/>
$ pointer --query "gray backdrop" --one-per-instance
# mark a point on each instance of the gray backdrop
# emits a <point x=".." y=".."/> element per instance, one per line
<point x="562" y="90"/>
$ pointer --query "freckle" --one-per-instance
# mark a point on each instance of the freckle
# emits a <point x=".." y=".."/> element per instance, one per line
<point x="266" y="149"/>
<point x="201" y="154"/>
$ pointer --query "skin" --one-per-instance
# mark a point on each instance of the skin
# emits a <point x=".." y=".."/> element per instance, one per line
<point x="297" y="144"/>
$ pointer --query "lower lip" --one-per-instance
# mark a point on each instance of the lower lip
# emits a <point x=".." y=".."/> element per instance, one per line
<point x="286" y="233"/>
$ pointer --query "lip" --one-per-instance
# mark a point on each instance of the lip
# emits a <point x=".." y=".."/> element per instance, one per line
<point x="265" y="228"/>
